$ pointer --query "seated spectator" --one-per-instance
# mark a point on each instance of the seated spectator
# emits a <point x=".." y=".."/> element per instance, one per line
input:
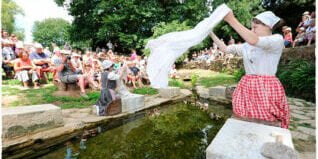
<point x="307" y="19"/>
<point x="19" y="49"/>
<point x="310" y="32"/>
<point x="77" y="63"/>
<point x="300" y="37"/>
<point x="8" y="57"/>
<point x="42" y="60"/>
<point x="304" y="20"/>
<point x="173" y="72"/>
<point x="117" y="64"/>
<point x="288" y="36"/>
<point x="26" y="70"/>
<point x="67" y="73"/>
<point x="134" y="75"/>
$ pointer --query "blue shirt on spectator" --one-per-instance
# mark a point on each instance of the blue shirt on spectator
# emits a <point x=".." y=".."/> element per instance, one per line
<point x="35" y="55"/>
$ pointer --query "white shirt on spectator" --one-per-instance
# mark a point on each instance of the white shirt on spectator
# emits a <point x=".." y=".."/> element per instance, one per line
<point x="263" y="58"/>
<point x="113" y="76"/>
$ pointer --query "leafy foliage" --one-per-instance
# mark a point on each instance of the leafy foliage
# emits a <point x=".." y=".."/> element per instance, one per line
<point x="298" y="78"/>
<point x="9" y="9"/>
<point x="238" y="74"/>
<point x="127" y="23"/>
<point x="194" y="79"/>
<point x="243" y="10"/>
<point x="291" y="10"/>
<point x="51" y="30"/>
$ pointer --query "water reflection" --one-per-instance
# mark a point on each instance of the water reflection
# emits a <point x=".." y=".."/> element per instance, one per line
<point x="176" y="131"/>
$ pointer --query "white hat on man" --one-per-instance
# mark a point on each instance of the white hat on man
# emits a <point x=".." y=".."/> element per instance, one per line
<point x="38" y="46"/>
<point x="106" y="64"/>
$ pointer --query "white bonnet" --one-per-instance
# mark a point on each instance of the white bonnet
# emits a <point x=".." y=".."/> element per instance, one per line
<point x="268" y="18"/>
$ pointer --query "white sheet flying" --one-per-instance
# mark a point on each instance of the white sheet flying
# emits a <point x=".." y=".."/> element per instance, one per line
<point x="166" y="49"/>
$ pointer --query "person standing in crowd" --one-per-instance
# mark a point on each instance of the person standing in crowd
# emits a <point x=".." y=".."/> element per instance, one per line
<point x="133" y="55"/>
<point x="259" y="94"/>
<point x="110" y="45"/>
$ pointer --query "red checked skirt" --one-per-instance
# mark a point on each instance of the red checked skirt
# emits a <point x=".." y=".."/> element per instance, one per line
<point x="261" y="97"/>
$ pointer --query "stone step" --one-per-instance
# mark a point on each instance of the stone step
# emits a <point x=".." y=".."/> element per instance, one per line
<point x="23" y="120"/>
<point x="169" y="92"/>
<point x="240" y="139"/>
<point x="132" y="103"/>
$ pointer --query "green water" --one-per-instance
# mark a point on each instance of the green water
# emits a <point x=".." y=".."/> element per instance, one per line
<point x="180" y="131"/>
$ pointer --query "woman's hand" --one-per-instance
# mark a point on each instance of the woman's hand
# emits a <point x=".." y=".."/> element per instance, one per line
<point x="229" y="17"/>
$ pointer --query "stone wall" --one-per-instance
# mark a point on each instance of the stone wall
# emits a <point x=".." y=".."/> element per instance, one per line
<point x="303" y="52"/>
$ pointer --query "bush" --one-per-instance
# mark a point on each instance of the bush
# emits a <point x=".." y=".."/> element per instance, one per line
<point x="194" y="79"/>
<point x="238" y="74"/>
<point x="298" y="79"/>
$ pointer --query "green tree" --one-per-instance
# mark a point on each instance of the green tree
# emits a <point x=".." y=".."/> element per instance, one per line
<point x="244" y="11"/>
<point x="128" y="22"/>
<point x="51" y="30"/>
<point x="289" y="10"/>
<point x="19" y="32"/>
<point x="8" y="11"/>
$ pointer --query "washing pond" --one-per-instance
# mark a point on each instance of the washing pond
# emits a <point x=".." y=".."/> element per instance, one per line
<point x="178" y="131"/>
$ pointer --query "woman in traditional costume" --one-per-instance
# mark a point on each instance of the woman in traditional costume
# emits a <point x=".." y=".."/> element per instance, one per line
<point x="259" y="95"/>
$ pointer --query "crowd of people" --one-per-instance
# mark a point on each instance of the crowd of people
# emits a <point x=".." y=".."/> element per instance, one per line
<point x="306" y="31"/>
<point x="213" y="53"/>
<point x="32" y="62"/>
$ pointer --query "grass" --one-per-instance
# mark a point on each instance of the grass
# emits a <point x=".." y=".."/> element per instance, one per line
<point x="216" y="79"/>
<point x="176" y="83"/>
<point x="145" y="91"/>
<point x="11" y="82"/>
<point x="44" y="96"/>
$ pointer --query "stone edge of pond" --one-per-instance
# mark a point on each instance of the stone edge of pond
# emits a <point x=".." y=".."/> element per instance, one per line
<point x="41" y="141"/>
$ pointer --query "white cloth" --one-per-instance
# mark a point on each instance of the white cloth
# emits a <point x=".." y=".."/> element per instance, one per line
<point x="263" y="58"/>
<point x="167" y="48"/>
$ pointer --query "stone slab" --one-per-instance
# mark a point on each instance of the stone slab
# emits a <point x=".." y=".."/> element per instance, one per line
<point x="23" y="120"/>
<point x="202" y="92"/>
<point x="229" y="91"/>
<point x="298" y="135"/>
<point x="169" y="92"/>
<point x="241" y="139"/>
<point x="303" y="117"/>
<point x="132" y="103"/>
<point x="219" y="91"/>
<point x="308" y="131"/>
